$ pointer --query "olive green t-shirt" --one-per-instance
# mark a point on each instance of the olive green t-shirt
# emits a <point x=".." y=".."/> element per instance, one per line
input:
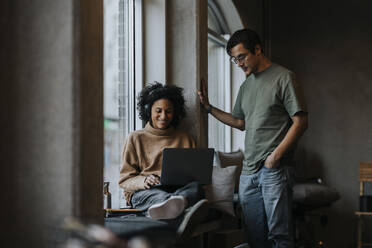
<point x="266" y="102"/>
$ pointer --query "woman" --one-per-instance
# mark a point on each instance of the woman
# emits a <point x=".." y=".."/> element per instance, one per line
<point x="162" y="108"/>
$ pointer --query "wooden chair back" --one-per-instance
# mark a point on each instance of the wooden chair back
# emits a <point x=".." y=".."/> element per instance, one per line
<point x="365" y="174"/>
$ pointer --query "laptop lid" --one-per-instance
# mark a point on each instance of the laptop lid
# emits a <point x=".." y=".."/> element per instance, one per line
<point x="181" y="166"/>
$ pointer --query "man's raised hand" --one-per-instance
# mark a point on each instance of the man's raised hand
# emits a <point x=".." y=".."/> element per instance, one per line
<point x="203" y="93"/>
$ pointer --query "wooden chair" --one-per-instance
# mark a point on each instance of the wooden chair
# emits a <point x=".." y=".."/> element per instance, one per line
<point x="365" y="175"/>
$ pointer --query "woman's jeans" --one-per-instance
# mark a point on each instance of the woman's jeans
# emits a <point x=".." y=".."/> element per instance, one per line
<point x="144" y="199"/>
<point x="266" y="200"/>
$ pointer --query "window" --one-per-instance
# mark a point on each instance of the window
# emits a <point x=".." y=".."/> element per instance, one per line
<point x="122" y="82"/>
<point x="127" y="56"/>
<point x="219" y="135"/>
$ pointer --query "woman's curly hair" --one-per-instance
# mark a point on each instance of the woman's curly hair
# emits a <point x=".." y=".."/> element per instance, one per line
<point x="156" y="91"/>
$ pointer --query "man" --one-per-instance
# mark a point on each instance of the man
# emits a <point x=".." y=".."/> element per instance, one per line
<point x="271" y="109"/>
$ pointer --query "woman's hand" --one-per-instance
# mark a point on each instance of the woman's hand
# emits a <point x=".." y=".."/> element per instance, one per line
<point x="151" y="180"/>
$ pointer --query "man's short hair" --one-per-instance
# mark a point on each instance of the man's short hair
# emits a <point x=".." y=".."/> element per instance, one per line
<point x="247" y="37"/>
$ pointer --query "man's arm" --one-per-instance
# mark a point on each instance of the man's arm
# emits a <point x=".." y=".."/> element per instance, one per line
<point x="227" y="118"/>
<point x="220" y="115"/>
<point x="297" y="129"/>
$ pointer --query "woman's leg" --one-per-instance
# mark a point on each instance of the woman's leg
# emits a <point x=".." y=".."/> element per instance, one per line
<point x="144" y="199"/>
<point x="193" y="192"/>
<point x="167" y="203"/>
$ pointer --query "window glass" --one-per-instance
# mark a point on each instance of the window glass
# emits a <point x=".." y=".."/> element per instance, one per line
<point x="117" y="90"/>
<point x="216" y="129"/>
<point x="219" y="135"/>
<point x="212" y="21"/>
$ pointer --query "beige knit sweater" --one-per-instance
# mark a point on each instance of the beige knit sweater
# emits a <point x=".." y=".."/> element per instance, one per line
<point x="142" y="155"/>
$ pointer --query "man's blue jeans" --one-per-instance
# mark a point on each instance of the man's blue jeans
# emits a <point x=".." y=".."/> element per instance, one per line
<point x="266" y="200"/>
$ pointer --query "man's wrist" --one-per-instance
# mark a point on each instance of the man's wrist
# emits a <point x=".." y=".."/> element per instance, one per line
<point x="209" y="108"/>
<point x="277" y="153"/>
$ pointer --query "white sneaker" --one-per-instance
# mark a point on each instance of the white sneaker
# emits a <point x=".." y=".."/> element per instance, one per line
<point x="168" y="209"/>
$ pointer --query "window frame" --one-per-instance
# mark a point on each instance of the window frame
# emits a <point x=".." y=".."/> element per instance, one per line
<point x="135" y="65"/>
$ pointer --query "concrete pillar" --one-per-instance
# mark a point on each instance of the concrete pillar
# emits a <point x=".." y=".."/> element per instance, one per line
<point x="187" y="59"/>
<point x="51" y="97"/>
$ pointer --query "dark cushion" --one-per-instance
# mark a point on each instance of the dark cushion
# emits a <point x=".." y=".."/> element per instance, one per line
<point x="314" y="195"/>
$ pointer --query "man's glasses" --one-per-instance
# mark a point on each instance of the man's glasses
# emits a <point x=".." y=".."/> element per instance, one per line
<point x="239" y="59"/>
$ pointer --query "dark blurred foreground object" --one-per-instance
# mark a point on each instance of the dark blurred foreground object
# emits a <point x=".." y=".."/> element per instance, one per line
<point x="94" y="236"/>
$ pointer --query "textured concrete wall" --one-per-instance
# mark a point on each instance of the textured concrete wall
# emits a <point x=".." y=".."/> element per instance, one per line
<point x="328" y="45"/>
<point x="48" y="99"/>
<point x="6" y="170"/>
<point x="251" y="14"/>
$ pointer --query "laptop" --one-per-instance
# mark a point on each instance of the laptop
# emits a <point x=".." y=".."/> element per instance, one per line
<point x="181" y="166"/>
